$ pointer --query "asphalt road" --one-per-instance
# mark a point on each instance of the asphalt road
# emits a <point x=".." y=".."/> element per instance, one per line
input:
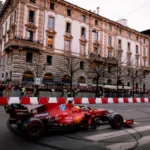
<point x="134" y="137"/>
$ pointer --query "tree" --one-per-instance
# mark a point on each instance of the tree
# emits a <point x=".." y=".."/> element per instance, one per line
<point x="97" y="71"/>
<point x="70" y="65"/>
<point x="134" y="75"/>
<point x="33" y="66"/>
<point x="118" y="73"/>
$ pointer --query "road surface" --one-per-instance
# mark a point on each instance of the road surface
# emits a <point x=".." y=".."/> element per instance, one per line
<point x="103" y="138"/>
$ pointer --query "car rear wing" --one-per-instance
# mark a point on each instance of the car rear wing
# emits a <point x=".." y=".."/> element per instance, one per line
<point x="17" y="111"/>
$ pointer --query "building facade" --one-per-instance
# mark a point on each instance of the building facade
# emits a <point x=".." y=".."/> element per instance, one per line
<point x="36" y="35"/>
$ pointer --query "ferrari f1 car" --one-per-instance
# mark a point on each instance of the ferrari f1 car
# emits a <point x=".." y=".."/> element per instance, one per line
<point x="56" y="116"/>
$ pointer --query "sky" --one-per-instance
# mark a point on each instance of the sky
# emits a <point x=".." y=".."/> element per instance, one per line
<point x="135" y="11"/>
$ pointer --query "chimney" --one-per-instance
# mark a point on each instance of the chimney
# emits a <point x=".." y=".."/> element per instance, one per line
<point x="123" y="22"/>
<point x="98" y="10"/>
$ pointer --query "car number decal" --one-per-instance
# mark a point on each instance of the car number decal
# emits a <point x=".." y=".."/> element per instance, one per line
<point x="62" y="107"/>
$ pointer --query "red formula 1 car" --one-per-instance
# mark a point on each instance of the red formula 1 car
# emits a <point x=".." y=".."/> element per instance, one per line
<point x="57" y="116"/>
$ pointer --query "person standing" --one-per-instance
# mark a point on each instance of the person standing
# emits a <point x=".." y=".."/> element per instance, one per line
<point x="23" y="91"/>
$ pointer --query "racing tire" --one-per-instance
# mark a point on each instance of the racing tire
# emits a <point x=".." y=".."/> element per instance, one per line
<point x="34" y="128"/>
<point x="116" y="121"/>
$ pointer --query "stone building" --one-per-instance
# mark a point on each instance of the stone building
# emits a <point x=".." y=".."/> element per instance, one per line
<point x="36" y="35"/>
<point x="1" y="5"/>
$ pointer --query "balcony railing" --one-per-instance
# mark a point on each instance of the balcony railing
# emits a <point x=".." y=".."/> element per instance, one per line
<point x="25" y="43"/>
<point x="146" y="68"/>
<point x="99" y="58"/>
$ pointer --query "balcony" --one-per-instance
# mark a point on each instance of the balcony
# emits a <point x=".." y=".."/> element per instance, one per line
<point x="24" y="43"/>
<point x="95" y="57"/>
<point x="146" y="68"/>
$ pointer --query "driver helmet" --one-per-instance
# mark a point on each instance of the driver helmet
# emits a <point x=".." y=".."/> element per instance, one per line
<point x="70" y="101"/>
<point x="76" y="108"/>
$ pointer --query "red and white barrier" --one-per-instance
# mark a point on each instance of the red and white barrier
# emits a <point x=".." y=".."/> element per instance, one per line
<point x="52" y="100"/>
<point x="62" y="100"/>
<point x="14" y="100"/>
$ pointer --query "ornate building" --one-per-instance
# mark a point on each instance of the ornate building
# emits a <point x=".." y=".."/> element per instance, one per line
<point x="35" y="35"/>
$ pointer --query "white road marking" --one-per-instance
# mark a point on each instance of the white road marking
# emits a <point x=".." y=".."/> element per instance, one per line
<point x="102" y="127"/>
<point x="116" y="133"/>
<point x="136" y="123"/>
<point x="124" y="146"/>
<point x="131" y="110"/>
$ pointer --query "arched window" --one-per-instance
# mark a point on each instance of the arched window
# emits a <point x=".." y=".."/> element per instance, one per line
<point x="81" y="79"/>
<point x="48" y="78"/>
<point x="27" y="76"/>
<point x="66" y="79"/>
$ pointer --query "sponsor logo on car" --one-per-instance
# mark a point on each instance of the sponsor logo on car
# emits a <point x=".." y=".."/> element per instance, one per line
<point x="41" y="115"/>
<point x="34" y="111"/>
<point x="21" y="110"/>
<point x="62" y="107"/>
<point x="21" y="113"/>
<point x="68" y="119"/>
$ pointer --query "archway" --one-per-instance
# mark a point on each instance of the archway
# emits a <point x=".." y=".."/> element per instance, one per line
<point x="66" y="79"/>
<point x="81" y="80"/>
<point x="27" y="76"/>
<point x="48" y="78"/>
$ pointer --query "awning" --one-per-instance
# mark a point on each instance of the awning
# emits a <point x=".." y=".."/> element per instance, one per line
<point x="82" y="84"/>
<point x="125" y="87"/>
<point x="113" y="87"/>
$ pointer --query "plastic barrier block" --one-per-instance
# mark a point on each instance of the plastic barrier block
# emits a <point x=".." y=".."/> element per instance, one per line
<point x="126" y="100"/>
<point x="142" y="100"/>
<point x="130" y="100"/>
<point x="43" y="100"/>
<point x="98" y="100"/>
<point x="120" y="100"/>
<point x="116" y="100"/>
<point x="61" y="100"/>
<point x="3" y="101"/>
<point x="110" y="100"/>
<point x="85" y="101"/>
<point x="104" y="101"/>
<point x="34" y="100"/>
<point x="146" y="100"/>
<point x="92" y="101"/>
<point x="77" y="101"/>
<point x="52" y="100"/>
<point x="14" y="100"/>
<point x="134" y="100"/>
<point x="138" y="100"/>
<point x="25" y="100"/>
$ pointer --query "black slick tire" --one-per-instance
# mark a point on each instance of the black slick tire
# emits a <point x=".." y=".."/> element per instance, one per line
<point x="34" y="128"/>
<point x="116" y="121"/>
